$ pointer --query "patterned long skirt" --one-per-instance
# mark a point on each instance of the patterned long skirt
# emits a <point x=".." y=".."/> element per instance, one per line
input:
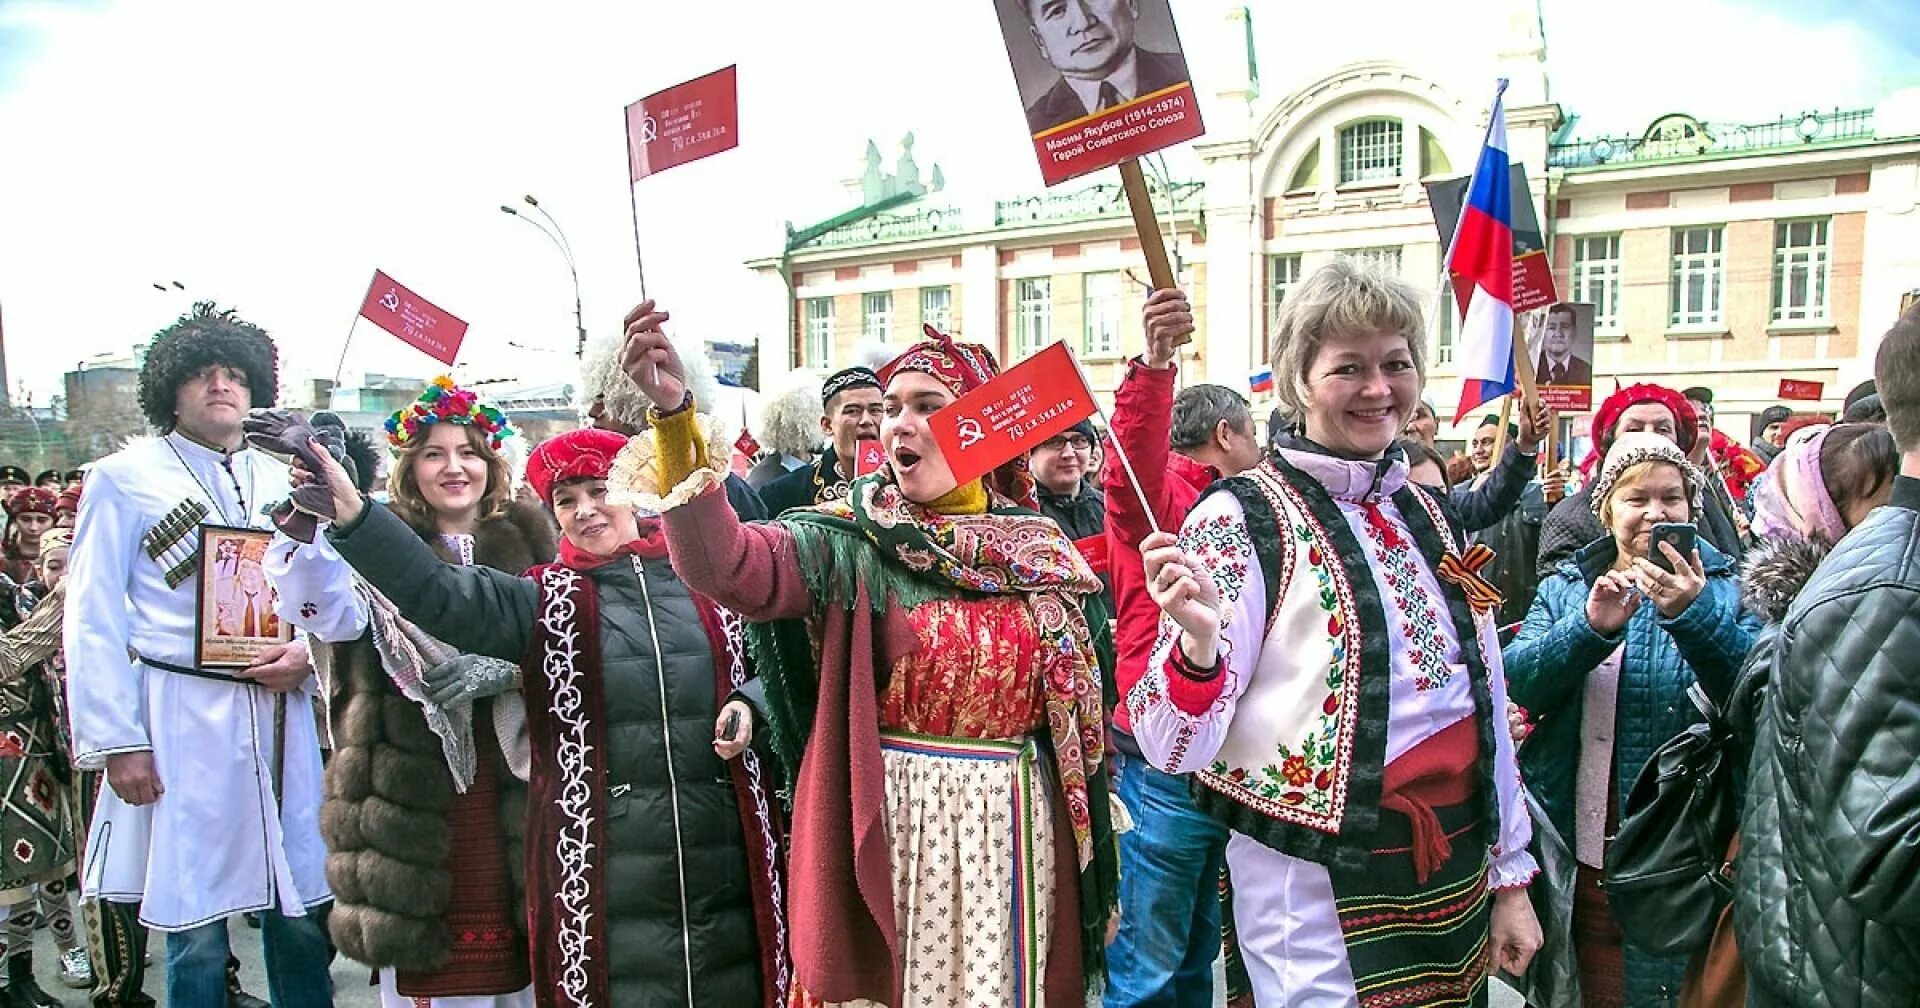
<point x="36" y="824"/>
<point x="972" y="871"/>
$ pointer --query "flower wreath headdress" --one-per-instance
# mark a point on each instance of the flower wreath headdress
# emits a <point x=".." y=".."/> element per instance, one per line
<point x="445" y="402"/>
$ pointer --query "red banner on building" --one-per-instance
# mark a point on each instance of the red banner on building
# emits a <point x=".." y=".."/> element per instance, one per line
<point x="419" y="323"/>
<point x="1010" y="415"/>
<point x="683" y="123"/>
<point x="1794" y="388"/>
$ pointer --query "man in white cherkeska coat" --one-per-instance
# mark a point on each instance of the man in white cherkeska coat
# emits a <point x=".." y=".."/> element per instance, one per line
<point x="190" y="826"/>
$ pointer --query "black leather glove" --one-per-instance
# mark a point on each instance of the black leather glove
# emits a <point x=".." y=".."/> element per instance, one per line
<point x="288" y="436"/>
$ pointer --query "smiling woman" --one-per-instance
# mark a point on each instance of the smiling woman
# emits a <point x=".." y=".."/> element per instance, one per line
<point x="1322" y="595"/>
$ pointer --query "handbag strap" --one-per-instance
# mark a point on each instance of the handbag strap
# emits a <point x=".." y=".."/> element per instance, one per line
<point x="1703" y="703"/>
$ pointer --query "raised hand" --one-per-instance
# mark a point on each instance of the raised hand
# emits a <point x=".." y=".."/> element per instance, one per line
<point x="1182" y="590"/>
<point x="1535" y="421"/>
<point x="1611" y="602"/>
<point x="1671" y="592"/>
<point x="650" y="360"/>
<point x="1168" y="318"/>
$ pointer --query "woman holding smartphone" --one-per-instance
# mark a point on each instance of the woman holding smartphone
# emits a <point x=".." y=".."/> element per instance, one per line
<point x="1615" y="638"/>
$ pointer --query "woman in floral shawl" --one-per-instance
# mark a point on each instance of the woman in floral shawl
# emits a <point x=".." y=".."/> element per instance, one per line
<point x="934" y="701"/>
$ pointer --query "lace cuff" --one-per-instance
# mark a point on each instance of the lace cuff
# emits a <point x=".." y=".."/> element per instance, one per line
<point x="669" y="466"/>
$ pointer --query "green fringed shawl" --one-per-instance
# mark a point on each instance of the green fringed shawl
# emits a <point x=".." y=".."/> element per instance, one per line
<point x="836" y="558"/>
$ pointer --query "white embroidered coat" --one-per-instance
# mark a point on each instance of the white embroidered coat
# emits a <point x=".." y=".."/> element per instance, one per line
<point x="214" y="844"/>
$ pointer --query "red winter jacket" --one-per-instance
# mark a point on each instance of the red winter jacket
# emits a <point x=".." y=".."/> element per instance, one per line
<point x="1143" y="425"/>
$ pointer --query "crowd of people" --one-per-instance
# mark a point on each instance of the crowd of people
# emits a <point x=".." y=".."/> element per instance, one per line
<point x="620" y="727"/>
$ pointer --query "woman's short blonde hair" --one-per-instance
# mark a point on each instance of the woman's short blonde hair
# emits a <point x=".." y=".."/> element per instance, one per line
<point x="405" y="489"/>
<point x="1631" y="476"/>
<point x="1343" y="296"/>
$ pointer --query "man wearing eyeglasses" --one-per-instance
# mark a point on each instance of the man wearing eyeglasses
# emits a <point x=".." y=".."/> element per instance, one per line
<point x="1060" y="466"/>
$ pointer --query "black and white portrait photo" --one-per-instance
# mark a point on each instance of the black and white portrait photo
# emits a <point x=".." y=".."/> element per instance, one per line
<point x="1072" y="58"/>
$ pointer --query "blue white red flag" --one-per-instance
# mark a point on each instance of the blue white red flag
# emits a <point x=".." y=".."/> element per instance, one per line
<point x="1261" y="380"/>
<point x="1480" y="262"/>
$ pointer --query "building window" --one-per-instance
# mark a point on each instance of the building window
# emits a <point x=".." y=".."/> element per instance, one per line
<point x="936" y="308"/>
<point x="1433" y="157"/>
<point x="1699" y="274"/>
<point x="1371" y="151"/>
<point x="819" y="331"/>
<point x="1283" y="271"/>
<point x="876" y="317"/>
<point x="1801" y="264"/>
<point x="1387" y="258"/>
<point x="1033" y="325"/>
<point x="1596" y="278"/>
<point x="1306" y="176"/>
<point x="1101" y="296"/>
<point x="1443" y="323"/>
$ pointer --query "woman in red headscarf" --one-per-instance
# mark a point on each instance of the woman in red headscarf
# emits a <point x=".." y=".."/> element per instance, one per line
<point x="927" y="681"/>
<point x="652" y="860"/>
<point x="29" y="513"/>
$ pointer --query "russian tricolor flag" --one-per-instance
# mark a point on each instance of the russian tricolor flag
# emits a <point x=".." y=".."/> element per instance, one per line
<point x="1261" y="380"/>
<point x="1480" y="261"/>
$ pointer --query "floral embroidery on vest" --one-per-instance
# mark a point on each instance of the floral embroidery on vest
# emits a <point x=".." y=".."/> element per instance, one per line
<point x="1301" y="778"/>
<point x="1418" y="616"/>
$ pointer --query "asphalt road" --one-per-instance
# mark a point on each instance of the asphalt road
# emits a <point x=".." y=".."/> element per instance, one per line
<point x="351" y="988"/>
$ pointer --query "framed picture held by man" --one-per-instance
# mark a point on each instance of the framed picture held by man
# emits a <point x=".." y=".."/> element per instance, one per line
<point x="236" y="619"/>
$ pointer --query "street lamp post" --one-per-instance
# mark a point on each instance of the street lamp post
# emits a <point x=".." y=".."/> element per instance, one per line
<point x="559" y="238"/>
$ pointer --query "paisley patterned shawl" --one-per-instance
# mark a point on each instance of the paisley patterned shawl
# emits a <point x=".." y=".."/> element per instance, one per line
<point x="1007" y="550"/>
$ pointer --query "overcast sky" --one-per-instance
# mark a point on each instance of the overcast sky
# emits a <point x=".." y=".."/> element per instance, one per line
<point x="271" y="156"/>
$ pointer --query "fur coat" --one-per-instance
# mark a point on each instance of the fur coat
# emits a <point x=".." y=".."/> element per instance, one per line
<point x="388" y="789"/>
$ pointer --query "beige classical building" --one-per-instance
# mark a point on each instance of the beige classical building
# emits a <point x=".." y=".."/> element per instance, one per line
<point x="1721" y="254"/>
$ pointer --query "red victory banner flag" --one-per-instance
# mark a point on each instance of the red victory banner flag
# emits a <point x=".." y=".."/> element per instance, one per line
<point x="1794" y="388"/>
<point x="419" y="323"/>
<point x="868" y="458"/>
<point x="1012" y="414"/>
<point x="684" y="123"/>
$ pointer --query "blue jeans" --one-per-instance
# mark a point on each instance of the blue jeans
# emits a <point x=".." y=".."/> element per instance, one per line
<point x="296" y="960"/>
<point x="1169" y="894"/>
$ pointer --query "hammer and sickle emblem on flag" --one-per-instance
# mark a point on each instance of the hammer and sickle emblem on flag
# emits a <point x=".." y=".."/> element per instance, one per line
<point x="970" y="432"/>
<point x="649" y="130"/>
<point x="390" y="301"/>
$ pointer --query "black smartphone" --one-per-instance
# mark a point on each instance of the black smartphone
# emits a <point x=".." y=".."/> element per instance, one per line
<point x="1681" y="534"/>
<point x="731" y="725"/>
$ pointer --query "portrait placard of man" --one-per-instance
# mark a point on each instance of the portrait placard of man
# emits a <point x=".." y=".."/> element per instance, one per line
<point x="237" y="603"/>
<point x="1072" y="58"/>
<point x="1563" y="350"/>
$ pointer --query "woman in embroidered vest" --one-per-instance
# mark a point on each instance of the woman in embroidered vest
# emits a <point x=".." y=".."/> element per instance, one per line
<point x="1603" y="663"/>
<point x="931" y="693"/>
<point x="1329" y="673"/>
<point x="421" y="815"/>
<point x="651" y="863"/>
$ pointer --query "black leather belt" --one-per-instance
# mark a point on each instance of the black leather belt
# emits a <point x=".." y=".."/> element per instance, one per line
<point x="196" y="672"/>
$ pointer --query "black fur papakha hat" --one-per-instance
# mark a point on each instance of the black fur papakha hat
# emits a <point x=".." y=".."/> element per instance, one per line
<point x="206" y="335"/>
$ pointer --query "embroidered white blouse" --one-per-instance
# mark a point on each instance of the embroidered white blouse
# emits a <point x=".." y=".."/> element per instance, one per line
<point x="1425" y="696"/>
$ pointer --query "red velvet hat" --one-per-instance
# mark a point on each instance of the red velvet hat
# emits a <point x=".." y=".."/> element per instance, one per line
<point x="32" y="500"/>
<point x="1608" y="416"/>
<point x="586" y="453"/>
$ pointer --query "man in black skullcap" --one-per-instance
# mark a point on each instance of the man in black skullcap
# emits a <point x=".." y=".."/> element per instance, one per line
<point x="853" y="412"/>
<point x="13" y="479"/>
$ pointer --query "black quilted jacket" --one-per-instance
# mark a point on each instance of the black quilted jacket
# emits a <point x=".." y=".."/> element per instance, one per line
<point x="1827" y="905"/>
